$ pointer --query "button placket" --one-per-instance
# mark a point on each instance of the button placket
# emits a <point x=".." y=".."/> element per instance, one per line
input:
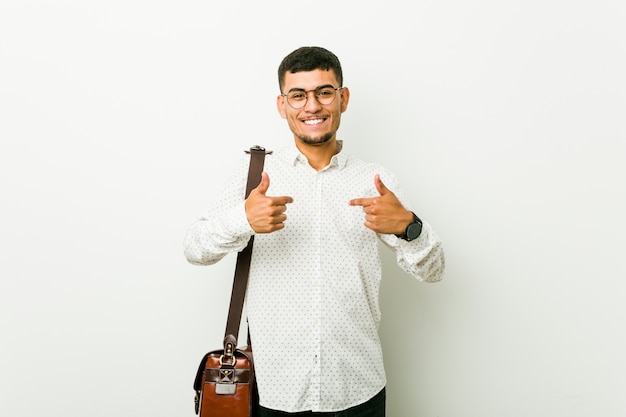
<point x="316" y="291"/>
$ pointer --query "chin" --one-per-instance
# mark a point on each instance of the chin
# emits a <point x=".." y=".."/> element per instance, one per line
<point x="316" y="141"/>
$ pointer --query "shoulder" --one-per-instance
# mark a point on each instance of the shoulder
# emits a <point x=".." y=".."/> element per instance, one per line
<point x="368" y="169"/>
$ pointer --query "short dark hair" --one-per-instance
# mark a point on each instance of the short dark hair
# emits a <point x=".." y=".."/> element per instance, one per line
<point x="309" y="58"/>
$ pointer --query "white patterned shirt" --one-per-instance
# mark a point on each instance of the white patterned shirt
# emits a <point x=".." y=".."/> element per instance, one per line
<point x="313" y="291"/>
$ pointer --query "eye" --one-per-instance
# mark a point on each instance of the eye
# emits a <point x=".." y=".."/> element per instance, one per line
<point x="297" y="95"/>
<point x="326" y="92"/>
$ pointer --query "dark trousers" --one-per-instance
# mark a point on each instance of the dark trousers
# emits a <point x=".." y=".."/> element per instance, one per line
<point x="372" y="408"/>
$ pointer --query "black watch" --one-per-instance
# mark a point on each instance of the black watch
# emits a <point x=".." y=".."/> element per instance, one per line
<point x="413" y="230"/>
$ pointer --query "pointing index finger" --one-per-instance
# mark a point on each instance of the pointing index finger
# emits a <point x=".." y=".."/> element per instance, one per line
<point x="282" y="200"/>
<point x="360" y="202"/>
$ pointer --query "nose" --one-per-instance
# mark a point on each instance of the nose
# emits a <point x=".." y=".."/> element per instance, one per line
<point x="312" y="105"/>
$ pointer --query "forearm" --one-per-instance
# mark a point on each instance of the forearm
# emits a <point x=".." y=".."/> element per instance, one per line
<point x="216" y="234"/>
<point x="422" y="258"/>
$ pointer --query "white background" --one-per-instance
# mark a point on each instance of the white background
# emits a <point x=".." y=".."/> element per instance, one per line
<point x="504" y="121"/>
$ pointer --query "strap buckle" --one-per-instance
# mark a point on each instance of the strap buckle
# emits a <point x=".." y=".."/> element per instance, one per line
<point x="257" y="148"/>
<point x="234" y="361"/>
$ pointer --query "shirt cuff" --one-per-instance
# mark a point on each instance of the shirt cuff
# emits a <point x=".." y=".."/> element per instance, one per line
<point x="237" y="222"/>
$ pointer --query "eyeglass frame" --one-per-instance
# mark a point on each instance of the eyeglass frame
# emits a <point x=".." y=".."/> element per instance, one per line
<point x="306" y="93"/>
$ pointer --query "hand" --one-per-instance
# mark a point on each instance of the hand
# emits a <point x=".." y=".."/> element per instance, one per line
<point x="266" y="214"/>
<point x="384" y="214"/>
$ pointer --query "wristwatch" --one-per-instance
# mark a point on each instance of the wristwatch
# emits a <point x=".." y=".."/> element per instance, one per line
<point x="413" y="230"/>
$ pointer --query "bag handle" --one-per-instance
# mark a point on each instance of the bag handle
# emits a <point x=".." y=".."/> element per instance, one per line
<point x="240" y="282"/>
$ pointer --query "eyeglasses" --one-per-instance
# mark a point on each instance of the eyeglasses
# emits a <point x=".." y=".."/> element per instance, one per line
<point x="324" y="95"/>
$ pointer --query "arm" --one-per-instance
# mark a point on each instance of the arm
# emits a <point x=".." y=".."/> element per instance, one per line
<point x="423" y="258"/>
<point x="228" y="226"/>
<point x="223" y="228"/>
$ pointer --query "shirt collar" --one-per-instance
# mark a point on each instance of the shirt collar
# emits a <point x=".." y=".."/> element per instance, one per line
<point x="339" y="160"/>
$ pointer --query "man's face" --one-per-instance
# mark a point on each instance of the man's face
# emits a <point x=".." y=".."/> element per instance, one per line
<point x="315" y="123"/>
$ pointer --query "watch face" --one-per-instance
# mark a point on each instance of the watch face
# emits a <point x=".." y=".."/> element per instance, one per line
<point x="413" y="231"/>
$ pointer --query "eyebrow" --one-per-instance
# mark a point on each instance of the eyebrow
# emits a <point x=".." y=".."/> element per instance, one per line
<point x="316" y="88"/>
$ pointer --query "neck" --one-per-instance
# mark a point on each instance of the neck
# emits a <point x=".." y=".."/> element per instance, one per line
<point x="319" y="156"/>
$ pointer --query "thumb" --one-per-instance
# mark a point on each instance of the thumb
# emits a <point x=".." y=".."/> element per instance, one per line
<point x="264" y="184"/>
<point x="380" y="187"/>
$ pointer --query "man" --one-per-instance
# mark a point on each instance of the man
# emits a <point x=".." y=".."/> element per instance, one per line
<point x="312" y="297"/>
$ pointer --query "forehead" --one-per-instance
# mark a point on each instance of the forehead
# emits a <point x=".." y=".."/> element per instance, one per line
<point x="310" y="80"/>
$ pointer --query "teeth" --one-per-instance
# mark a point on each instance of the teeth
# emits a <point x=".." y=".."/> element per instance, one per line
<point x="313" y="121"/>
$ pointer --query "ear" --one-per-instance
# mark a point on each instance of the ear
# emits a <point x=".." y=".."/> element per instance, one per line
<point x="280" y="105"/>
<point x="345" y="97"/>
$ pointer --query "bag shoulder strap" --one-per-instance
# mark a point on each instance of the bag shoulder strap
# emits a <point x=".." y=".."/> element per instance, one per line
<point x="240" y="282"/>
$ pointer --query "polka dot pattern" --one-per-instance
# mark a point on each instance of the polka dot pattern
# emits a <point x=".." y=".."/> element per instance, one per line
<point x="313" y="290"/>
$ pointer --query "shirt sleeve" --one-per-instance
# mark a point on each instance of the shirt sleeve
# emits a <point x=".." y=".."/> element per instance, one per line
<point x="223" y="228"/>
<point x="422" y="258"/>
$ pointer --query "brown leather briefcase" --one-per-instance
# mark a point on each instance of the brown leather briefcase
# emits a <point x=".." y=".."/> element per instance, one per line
<point x="225" y="385"/>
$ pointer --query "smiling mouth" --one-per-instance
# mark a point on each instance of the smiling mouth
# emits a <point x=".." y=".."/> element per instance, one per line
<point x="313" y="122"/>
